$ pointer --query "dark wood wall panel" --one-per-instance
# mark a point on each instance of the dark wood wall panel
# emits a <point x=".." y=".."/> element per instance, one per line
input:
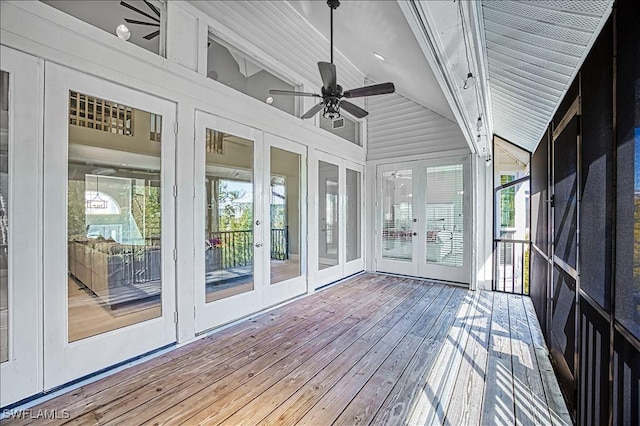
<point x="626" y="382"/>
<point x="563" y="328"/>
<point x="594" y="365"/>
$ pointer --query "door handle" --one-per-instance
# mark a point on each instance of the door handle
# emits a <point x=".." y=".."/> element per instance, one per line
<point x="258" y="245"/>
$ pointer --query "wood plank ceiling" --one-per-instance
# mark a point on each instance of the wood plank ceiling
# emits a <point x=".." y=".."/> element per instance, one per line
<point x="534" y="48"/>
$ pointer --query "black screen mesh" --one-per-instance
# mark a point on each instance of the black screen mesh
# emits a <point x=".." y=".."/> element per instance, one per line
<point x="596" y="208"/>
<point x="565" y="192"/>
<point x="627" y="309"/>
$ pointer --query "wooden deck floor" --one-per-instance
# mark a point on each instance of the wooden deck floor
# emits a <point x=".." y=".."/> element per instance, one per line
<point x="372" y="350"/>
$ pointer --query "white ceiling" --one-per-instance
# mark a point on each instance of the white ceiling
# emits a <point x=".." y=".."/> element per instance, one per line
<point x="533" y="50"/>
<point x="363" y="27"/>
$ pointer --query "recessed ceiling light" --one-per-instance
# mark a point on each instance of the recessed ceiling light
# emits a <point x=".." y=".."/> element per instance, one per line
<point x="379" y="56"/>
<point x="269" y="100"/>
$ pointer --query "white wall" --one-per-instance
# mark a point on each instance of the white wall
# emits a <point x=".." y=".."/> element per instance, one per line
<point x="398" y="127"/>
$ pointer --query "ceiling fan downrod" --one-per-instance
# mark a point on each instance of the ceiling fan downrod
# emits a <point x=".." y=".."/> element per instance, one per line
<point x="333" y="4"/>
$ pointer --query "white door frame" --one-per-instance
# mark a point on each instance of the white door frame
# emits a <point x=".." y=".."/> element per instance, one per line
<point x="284" y="290"/>
<point x="419" y="266"/>
<point x="21" y="375"/>
<point x="64" y="361"/>
<point x="219" y="312"/>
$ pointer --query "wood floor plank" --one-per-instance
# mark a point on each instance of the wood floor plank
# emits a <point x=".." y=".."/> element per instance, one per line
<point x="296" y="406"/>
<point x="466" y="402"/>
<point x="84" y="398"/>
<point x="375" y="349"/>
<point x="435" y="396"/>
<point x="400" y="403"/>
<point x="498" y="403"/>
<point x="530" y="402"/>
<point x="554" y="399"/>
<point x="254" y="406"/>
<point x="209" y="369"/>
<point x="366" y="402"/>
<point x="177" y="407"/>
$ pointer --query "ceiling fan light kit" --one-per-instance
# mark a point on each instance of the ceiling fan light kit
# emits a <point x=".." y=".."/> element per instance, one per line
<point x="332" y="94"/>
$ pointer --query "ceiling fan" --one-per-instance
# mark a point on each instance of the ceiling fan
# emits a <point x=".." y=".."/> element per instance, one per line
<point x="333" y="97"/>
<point x="155" y="20"/>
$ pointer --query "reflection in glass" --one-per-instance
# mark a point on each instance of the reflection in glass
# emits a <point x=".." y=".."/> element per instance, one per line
<point x="4" y="217"/>
<point x="285" y="215"/>
<point x="235" y="69"/>
<point x="113" y="217"/>
<point x="445" y="214"/>
<point x="228" y="239"/>
<point x="108" y="14"/>
<point x="354" y="205"/>
<point x="397" y="215"/>
<point x="328" y="229"/>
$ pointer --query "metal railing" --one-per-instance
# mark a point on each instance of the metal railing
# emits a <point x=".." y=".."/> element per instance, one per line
<point x="237" y="246"/>
<point x="511" y="266"/>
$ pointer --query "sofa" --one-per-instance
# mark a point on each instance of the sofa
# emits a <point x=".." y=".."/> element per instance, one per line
<point x="118" y="274"/>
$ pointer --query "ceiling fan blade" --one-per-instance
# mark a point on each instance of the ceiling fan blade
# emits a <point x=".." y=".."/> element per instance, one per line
<point x="328" y="74"/>
<point x="135" y="9"/>
<point x="151" y="35"/>
<point x="292" y="93"/>
<point x="354" y="110"/>
<point x="313" y="111"/>
<point x="152" y="7"/>
<point x="133" y="21"/>
<point x="375" y="89"/>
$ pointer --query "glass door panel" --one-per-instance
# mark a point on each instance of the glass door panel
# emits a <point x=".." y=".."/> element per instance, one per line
<point x="114" y="220"/>
<point x="328" y="215"/>
<point x="285" y="215"/>
<point x="4" y="216"/>
<point x="354" y="215"/>
<point x="444" y="215"/>
<point x="229" y="240"/>
<point x="397" y="215"/>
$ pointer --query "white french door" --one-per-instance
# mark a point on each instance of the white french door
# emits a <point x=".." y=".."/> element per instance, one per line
<point x="109" y="224"/>
<point x="229" y="182"/>
<point x="423" y="220"/>
<point x="20" y="226"/>
<point x="337" y="217"/>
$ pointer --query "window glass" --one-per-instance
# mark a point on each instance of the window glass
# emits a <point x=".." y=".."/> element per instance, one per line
<point x="140" y="19"/>
<point x="235" y="69"/>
